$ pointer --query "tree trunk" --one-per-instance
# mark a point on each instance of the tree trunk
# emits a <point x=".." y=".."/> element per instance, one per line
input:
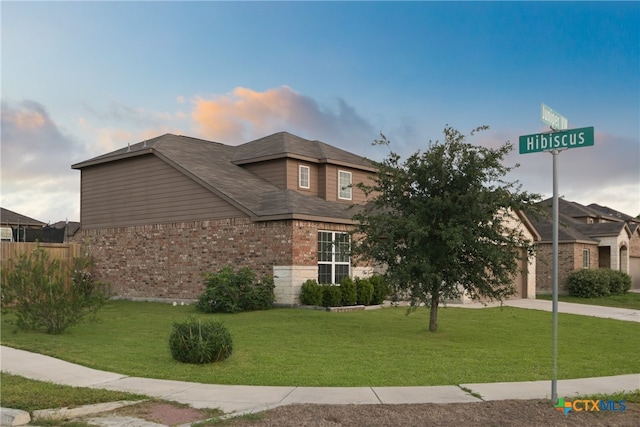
<point x="433" y="315"/>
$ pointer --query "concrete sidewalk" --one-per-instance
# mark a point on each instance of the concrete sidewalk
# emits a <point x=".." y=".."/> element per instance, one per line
<point x="625" y="314"/>
<point x="239" y="399"/>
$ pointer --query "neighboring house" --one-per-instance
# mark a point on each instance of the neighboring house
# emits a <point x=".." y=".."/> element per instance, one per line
<point x="588" y="237"/>
<point x="160" y="214"/>
<point x="18" y="228"/>
<point x="634" y="240"/>
<point x="60" y="232"/>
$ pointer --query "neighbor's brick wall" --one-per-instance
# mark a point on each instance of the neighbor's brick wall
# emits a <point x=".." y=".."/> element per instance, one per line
<point x="569" y="259"/>
<point x="169" y="260"/>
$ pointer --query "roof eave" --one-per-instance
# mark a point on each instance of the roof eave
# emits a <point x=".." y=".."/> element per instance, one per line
<point x="113" y="158"/>
<point x="303" y="217"/>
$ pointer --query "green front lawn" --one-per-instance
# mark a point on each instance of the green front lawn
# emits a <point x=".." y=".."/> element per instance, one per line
<point x="29" y="395"/>
<point x="629" y="300"/>
<point x="364" y="348"/>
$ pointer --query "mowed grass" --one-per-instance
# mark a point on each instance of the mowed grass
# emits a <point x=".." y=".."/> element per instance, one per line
<point x="629" y="300"/>
<point x="384" y="347"/>
<point x="29" y="395"/>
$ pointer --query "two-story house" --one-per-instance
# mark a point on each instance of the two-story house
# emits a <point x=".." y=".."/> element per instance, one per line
<point x="160" y="214"/>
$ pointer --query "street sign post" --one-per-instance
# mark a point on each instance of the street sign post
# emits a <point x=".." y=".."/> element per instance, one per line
<point x="555" y="120"/>
<point x="553" y="142"/>
<point x="573" y="138"/>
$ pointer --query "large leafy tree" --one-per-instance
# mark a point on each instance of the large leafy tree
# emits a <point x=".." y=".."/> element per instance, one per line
<point x="442" y="222"/>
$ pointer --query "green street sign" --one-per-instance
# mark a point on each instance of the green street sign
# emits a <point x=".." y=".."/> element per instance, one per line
<point x="554" y="119"/>
<point x="572" y="138"/>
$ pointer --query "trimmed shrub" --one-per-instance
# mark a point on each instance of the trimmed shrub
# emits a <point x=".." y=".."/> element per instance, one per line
<point x="331" y="296"/>
<point x="311" y="293"/>
<point x="197" y="342"/>
<point x="589" y="283"/>
<point x="349" y="291"/>
<point x="258" y="296"/>
<point x="229" y="291"/>
<point x="365" y="291"/>
<point x="380" y="289"/>
<point x="619" y="282"/>
<point x="49" y="294"/>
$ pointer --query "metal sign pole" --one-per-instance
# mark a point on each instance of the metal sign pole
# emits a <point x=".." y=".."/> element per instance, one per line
<point x="554" y="321"/>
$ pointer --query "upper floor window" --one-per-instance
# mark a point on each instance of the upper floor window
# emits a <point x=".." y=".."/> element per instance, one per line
<point x="304" y="177"/>
<point x="344" y="185"/>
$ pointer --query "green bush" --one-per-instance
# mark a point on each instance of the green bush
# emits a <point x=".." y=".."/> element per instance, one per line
<point x="619" y="282"/>
<point x="331" y="296"/>
<point x="229" y="291"/>
<point x="589" y="283"/>
<point x="49" y="294"/>
<point x="349" y="291"/>
<point x="365" y="291"/>
<point x="311" y="293"/>
<point x="194" y="341"/>
<point x="380" y="289"/>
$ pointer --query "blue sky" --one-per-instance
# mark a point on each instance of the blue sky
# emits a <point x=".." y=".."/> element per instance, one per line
<point x="80" y="79"/>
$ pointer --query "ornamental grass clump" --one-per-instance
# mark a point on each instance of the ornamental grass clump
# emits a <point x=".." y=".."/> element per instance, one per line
<point x="197" y="342"/>
<point x="50" y="294"/>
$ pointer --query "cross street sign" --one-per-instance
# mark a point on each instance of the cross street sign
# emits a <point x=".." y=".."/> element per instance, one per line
<point x="553" y="119"/>
<point x="573" y="138"/>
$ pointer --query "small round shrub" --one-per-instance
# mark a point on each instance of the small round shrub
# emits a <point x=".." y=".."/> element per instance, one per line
<point x="311" y="293"/>
<point x="332" y="296"/>
<point x="349" y="291"/>
<point x="380" y="289"/>
<point x="588" y="283"/>
<point x="619" y="282"/>
<point x="365" y="291"/>
<point x="197" y="342"/>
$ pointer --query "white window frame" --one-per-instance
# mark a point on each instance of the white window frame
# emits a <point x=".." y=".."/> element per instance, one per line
<point x="301" y="176"/>
<point x="344" y="190"/>
<point x="586" y="258"/>
<point x="335" y="256"/>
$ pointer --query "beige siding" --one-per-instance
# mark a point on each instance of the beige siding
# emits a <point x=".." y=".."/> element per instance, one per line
<point x="293" y="178"/>
<point x="145" y="190"/>
<point x="331" y="184"/>
<point x="274" y="171"/>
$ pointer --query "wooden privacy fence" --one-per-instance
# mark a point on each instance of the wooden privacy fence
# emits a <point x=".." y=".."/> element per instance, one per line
<point x="62" y="251"/>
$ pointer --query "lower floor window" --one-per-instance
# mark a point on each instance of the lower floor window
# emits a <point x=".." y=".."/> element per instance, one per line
<point x="334" y="262"/>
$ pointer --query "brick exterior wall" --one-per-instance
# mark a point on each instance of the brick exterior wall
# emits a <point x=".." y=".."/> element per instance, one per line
<point x="569" y="259"/>
<point x="168" y="261"/>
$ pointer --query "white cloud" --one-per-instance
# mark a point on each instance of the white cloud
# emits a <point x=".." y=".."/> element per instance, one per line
<point x="37" y="180"/>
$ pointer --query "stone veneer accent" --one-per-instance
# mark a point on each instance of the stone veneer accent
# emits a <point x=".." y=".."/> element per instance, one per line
<point x="170" y="261"/>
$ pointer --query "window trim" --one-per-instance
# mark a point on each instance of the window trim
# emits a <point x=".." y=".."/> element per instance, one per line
<point x="348" y="187"/>
<point x="586" y="260"/>
<point x="300" y="185"/>
<point x="334" y="255"/>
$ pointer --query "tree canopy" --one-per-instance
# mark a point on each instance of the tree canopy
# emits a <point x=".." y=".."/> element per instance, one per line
<point x="442" y="222"/>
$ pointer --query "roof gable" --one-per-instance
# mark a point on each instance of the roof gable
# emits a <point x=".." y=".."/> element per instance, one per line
<point x="218" y="168"/>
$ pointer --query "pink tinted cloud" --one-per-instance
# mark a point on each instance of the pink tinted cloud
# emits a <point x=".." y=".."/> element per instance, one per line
<point x="246" y="114"/>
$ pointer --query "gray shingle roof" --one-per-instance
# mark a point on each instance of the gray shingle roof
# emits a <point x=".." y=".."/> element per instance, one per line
<point x="284" y="144"/>
<point x="570" y="228"/>
<point x="14" y="218"/>
<point x="217" y="167"/>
